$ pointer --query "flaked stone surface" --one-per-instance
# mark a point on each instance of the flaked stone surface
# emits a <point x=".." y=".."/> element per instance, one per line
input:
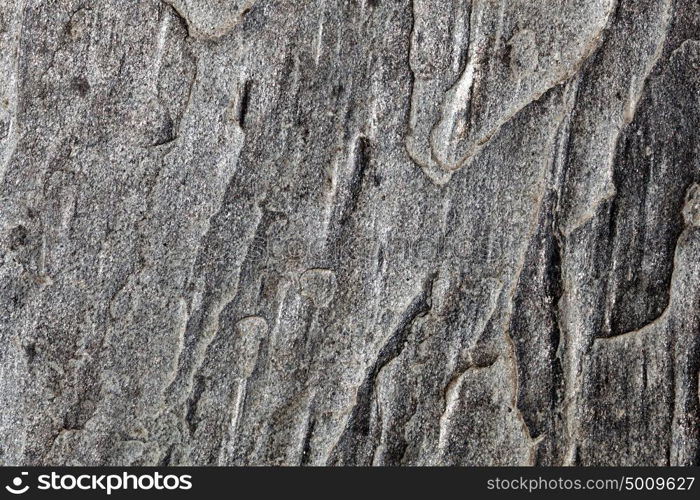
<point x="418" y="232"/>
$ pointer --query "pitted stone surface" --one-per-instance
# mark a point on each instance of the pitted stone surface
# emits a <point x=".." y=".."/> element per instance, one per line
<point x="367" y="232"/>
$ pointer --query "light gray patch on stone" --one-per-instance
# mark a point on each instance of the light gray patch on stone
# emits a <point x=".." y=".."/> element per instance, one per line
<point x="319" y="285"/>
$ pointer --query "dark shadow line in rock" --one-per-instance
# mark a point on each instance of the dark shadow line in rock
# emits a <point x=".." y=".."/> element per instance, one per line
<point x="358" y="424"/>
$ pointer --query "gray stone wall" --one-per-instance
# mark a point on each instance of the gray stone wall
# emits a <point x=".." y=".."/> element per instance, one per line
<point x="419" y="232"/>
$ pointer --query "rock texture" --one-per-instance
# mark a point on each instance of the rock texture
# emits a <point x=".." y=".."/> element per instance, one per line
<point x="425" y="232"/>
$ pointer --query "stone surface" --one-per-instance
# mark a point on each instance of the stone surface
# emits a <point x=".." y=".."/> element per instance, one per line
<point x="425" y="232"/>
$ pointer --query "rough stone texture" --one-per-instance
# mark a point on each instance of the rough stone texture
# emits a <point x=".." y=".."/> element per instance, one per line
<point x="350" y="232"/>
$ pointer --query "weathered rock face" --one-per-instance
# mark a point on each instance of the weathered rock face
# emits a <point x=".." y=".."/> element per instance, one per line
<point x="350" y="232"/>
